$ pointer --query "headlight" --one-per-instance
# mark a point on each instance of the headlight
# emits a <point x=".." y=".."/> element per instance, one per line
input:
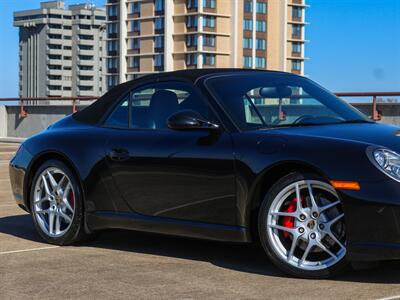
<point x="388" y="161"/>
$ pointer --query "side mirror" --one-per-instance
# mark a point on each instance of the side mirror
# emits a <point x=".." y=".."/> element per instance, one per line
<point x="189" y="119"/>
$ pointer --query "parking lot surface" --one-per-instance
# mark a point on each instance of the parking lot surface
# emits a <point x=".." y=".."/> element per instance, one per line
<point x="124" y="264"/>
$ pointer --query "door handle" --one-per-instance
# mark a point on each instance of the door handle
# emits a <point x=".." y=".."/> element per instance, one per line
<point x="119" y="154"/>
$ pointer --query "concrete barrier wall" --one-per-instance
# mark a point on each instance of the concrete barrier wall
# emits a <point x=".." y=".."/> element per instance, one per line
<point x="40" y="117"/>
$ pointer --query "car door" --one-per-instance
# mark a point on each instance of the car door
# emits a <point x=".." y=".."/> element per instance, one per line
<point x="169" y="173"/>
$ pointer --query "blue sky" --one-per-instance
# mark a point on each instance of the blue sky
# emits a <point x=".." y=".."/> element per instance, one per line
<point x="354" y="44"/>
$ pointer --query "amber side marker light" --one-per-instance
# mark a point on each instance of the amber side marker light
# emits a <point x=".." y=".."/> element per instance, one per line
<point x="346" y="185"/>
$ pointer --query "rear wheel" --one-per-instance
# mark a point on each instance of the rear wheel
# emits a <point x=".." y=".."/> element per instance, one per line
<point x="56" y="204"/>
<point x="301" y="226"/>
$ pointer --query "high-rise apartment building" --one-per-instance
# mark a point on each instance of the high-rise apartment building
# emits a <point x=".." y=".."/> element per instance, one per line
<point x="61" y="50"/>
<point x="147" y="36"/>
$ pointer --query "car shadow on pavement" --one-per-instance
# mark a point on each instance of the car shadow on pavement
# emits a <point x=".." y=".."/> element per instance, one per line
<point x="248" y="258"/>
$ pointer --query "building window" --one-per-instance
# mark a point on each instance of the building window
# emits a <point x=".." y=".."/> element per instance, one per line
<point x="112" y="81"/>
<point x="82" y="26"/>
<point x="261" y="26"/>
<point x="248" y="24"/>
<point x="191" y="4"/>
<point x="54" y="67"/>
<point x="261" y="44"/>
<point x="158" y="42"/>
<point x="136" y="7"/>
<point x="136" y="25"/>
<point x="52" y="77"/>
<point x="55" y="26"/>
<point x="209" y="3"/>
<point x="159" y="60"/>
<point x="248" y="6"/>
<point x="112" y="11"/>
<point x="55" y="36"/>
<point x="209" y="40"/>
<point x="52" y="56"/>
<point x="296" y="47"/>
<point x="191" y="21"/>
<point x="85" y="37"/>
<point x="296" y="30"/>
<point x="159" y="5"/>
<point x="136" y="44"/>
<point x="191" y="59"/>
<point x="112" y="28"/>
<point x="260" y="62"/>
<point x="209" y="21"/>
<point x="209" y="59"/>
<point x="191" y="40"/>
<point x="159" y="23"/>
<point x="112" y="63"/>
<point x="134" y="62"/>
<point x="247" y="61"/>
<point x="85" y="57"/>
<point x="112" y="45"/>
<point x="296" y="65"/>
<point x="247" y="43"/>
<point x="297" y="12"/>
<point x="85" y="47"/>
<point x="54" y="46"/>
<point x="261" y="7"/>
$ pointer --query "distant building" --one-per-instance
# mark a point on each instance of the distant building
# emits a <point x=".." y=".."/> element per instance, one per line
<point x="61" y="50"/>
<point x="163" y="35"/>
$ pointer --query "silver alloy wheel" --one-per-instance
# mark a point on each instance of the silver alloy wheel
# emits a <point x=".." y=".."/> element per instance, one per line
<point x="316" y="239"/>
<point x="54" y="202"/>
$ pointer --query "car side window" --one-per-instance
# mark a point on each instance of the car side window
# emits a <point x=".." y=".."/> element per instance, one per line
<point x="151" y="106"/>
<point x="120" y="116"/>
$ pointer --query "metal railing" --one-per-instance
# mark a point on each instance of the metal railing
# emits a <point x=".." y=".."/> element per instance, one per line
<point x="22" y="102"/>
<point x="376" y="115"/>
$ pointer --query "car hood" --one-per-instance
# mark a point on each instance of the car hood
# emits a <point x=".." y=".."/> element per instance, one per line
<point x="369" y="133"/>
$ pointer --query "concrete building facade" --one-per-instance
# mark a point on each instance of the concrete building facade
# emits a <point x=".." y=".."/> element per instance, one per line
<point x="147" y="36"/>
<point x="61" y="50"/>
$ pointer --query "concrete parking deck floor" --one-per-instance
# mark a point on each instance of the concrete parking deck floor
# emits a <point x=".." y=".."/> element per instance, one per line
<point x="123" y="264"/>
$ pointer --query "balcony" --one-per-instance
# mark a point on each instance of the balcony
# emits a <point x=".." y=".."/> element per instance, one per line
<point x="54" y="82"/>
<point x="85" y="93"/>
<point x="86" y="52"/>
<point x="54" y="51"/>
<point x="85" y="72"/>
<point x="55" y="31"/>
<point x="86" y="42"/>
<point x="84" y="62"/>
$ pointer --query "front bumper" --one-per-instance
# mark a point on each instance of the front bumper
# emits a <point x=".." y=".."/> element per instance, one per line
<point x="372" y="217"/>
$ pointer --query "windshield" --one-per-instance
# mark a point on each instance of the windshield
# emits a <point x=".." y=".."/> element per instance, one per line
<point x="257" y="100"/>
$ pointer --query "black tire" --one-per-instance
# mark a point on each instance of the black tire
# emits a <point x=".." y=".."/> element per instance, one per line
<point x="332" y="271"/>
<point x="76" y="232"/>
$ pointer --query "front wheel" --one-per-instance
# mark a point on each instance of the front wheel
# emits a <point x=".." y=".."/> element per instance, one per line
<point x="56" y="204"/>
<point x="302" y="228"/>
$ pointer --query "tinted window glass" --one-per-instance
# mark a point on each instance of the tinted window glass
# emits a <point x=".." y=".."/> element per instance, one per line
<point x="120" y="116"/>
<point x="152" y="105"/>
<point x="257" y="100"/>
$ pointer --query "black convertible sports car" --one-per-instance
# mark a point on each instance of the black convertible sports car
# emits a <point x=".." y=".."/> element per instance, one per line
<point x="223" y="154"/>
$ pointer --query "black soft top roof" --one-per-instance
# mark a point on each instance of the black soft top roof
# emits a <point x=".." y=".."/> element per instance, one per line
<point x="94" y="113"/>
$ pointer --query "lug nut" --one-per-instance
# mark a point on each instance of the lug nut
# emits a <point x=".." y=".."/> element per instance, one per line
<point x="301" y="230"/>
<point x="315" y="214"/>
<point x="321" y="226"/>
<point x="302" y="217"/>
<point x="313" y="236"/>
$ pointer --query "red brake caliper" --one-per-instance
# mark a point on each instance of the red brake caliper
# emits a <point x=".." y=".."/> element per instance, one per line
<point x="289" y="221"/>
